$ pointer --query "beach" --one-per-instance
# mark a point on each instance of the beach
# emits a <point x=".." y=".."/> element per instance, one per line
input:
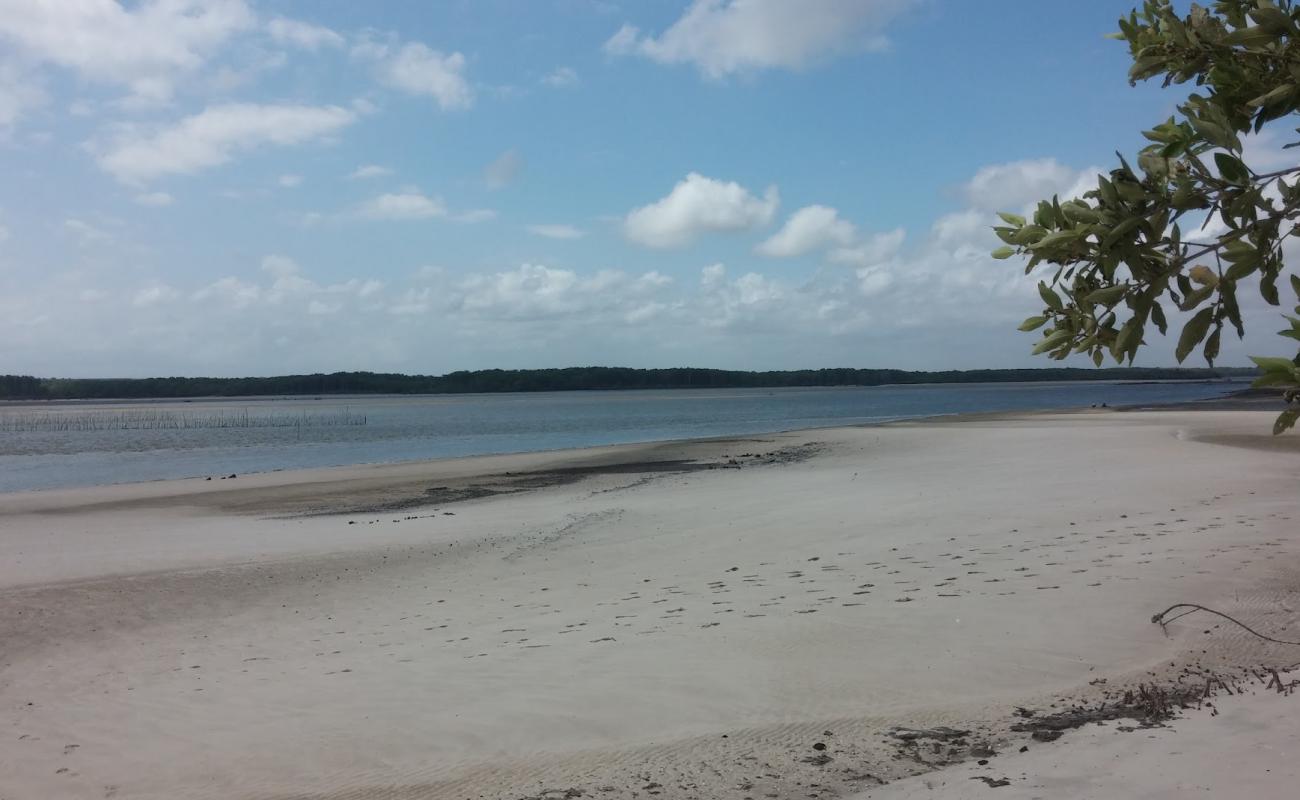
<point x="743" y="617"/>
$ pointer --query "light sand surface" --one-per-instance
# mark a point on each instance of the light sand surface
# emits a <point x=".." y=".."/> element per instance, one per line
<point x="622" y="621"/>
<point x="1247" y="751"/>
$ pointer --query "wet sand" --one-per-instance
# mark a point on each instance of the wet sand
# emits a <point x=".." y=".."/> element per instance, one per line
<point x="678" y="620"/>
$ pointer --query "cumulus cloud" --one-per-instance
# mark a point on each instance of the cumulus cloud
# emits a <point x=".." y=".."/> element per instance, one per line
<point x="473" y="216"/>
<point x="722" y="37"/>
<point x="808" y="229"/>
<point x="302" y="34"/>
<point x="230" y="291"/>
<point x="534" y="292"/>
<point x="154" y="295"/>
<point x="1008" y="187"/>
<point x="20" y="92"/>
<point x="155" y="199"/>
<point x="931" y="295"/>
<point x="416" y="69"/>
<point x="875" y="249"/>
<point x="556" y="231"/>
<point x="146" y="47"/>
<point x="405" y="205"/>
<point x="214" y="136"/>
<point x="86" y="232"/>
<point x="504" y="169"/>
<point x="561" y="77"/>
<point x="367" y="171"/>
<point x="699" y="205"/>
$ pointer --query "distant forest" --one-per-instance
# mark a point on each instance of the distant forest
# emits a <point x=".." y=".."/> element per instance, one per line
<point x="25" y="387"/>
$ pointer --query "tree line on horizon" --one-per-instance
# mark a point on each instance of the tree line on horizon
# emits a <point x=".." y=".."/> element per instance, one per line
<point x="26" y="387"/>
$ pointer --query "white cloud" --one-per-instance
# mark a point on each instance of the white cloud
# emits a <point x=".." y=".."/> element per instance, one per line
<point x="154" y="295"/>
<point x="213" y="137"/>
<point x="231" y="291"/>
<point x="416" y="69"/>
<point x="289" y="181"/>
<point x="473" y="216"/>
<point x="367" y="171"/>
<point x="319" y="307"/>
<point x="878" y="248"/>
<point x="86" y="232"/>
<point x="931" y="296"/>
<point x="722" y="37"/>
<point x="227" y="79"/>
<point x="413" y="301"/>
<point x="4" y="234"/>
<point x="748" y="300"/>
<point x="1009" y="187"/>
<point x="146" y="47"/>
<point x="280" y="266"/>
<point x="155" y="199"/>
<point x="302" y="34"/>
<point x="556" y="231"/>
<point x="561" y="77"/>
<point x="504" y="169"/>
<point x="20" y="92"/>
<point x="699" y="205"/>
<point x="536" y="292"/>
<point x="409" y="204"/>
<point x="808" y="229"/>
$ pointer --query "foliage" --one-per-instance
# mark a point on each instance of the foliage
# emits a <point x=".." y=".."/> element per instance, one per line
<point x="1121" y="252"/>
<point x="23" y="387"/>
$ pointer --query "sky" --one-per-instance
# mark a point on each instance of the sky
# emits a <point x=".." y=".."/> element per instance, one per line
<point x="234" y="187"/>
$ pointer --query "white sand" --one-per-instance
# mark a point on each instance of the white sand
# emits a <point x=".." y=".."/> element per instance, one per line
<point x="1247" y="751"/>
<point x="186" y="639"/>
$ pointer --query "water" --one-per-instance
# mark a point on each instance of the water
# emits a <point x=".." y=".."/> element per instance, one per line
<point x="405" y="428"/>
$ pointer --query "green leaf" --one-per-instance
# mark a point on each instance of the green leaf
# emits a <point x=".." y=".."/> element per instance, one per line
<point x="1077" y="212"/>
<point x="1211" y="350"/>
<point x="1057" y="238"/>
<point x="1252" y="37"/>
<point x="1238" y="251"/>
<point x="1268" y="289"/>
<point x="1193" y="332"/>
<point x="1127" y="340"/>
<point x="1052" y="341"/>
<point x="1286" y="420"/>
<point x="1273" y="379"/>
<point x="1050" y="297"/>
<point x="1271" y="364"/>
<point x="1123" y="229"/>
<point x="1231" y="168"/>
<point x="1012" y="219"/>
<point x="1158" y="317"/>
<point x="1033" y="323"/>
<point x="1097" y="357"/>
<point x="1028" y="235"/>
<point x="1277" y="93"/>
<point x="1107" y="296"/>
<point x="1004" y="252"/>
<point x="1240" y="270"/>
<point x="1295" y="285"/>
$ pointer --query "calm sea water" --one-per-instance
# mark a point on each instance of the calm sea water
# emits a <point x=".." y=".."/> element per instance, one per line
<point x="410" y="428"/>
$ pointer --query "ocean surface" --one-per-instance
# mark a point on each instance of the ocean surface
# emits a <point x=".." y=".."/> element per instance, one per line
<point x="49" y="445"/>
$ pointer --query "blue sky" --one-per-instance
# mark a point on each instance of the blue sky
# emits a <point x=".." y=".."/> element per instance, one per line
<point x="230" y="187"/>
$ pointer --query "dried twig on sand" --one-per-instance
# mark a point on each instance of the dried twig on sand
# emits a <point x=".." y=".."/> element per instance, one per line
<point x="1160" y="619"/>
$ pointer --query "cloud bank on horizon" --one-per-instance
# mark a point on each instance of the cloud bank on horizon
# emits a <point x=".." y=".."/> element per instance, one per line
<point x="221" y="187"/>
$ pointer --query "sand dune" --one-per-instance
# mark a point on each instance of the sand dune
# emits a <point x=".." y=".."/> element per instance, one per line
<point x="683" y="620"/>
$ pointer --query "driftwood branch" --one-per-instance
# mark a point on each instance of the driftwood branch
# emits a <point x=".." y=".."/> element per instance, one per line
<point x="1160" y="619"/>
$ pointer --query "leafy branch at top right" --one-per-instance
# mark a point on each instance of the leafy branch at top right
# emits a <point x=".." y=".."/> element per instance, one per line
<point x="1193" y="219"/>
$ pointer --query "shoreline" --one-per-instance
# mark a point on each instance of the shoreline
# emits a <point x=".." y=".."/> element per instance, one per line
<point x="1238" y="401"/>
<point x="632" y="609"/>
